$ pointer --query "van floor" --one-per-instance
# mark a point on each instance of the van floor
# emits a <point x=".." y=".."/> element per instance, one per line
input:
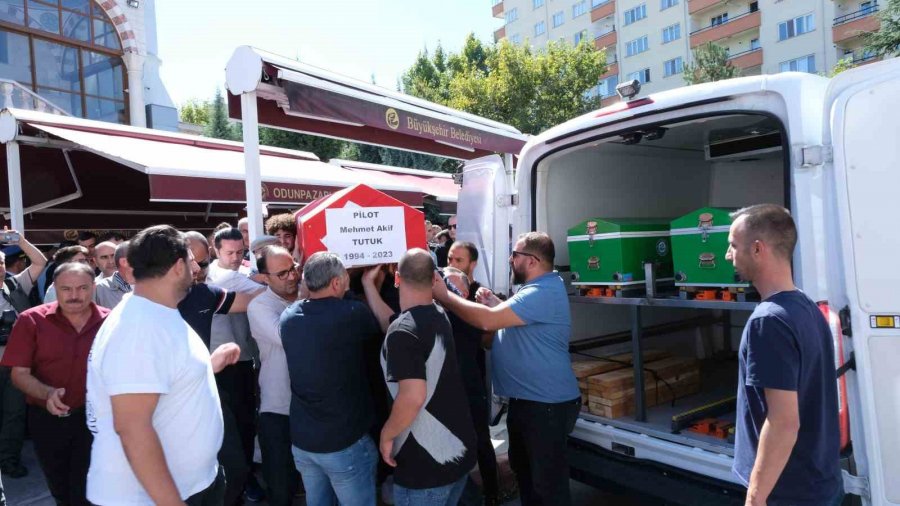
<point x="718" y="380"/>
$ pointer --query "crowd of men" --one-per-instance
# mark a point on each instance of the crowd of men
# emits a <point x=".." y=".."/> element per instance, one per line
<point x="160" y="361"/>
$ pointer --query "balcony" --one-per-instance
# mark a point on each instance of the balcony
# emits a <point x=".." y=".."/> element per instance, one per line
<point x="734" y="26"/>
<point x="851" y="26"/>
<point x="606" y="39"/>
<point x="15" y="95"/>
<point x="500" y="34"/>
<point x="695" y="6"/>
<point x="612" y="69"/>
<point x="497" y="9"/>
<point x="747" y="59"/>
<point x="604" y="10"/>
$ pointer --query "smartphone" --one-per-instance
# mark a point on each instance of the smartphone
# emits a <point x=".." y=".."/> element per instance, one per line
<point x="9" y="237"/>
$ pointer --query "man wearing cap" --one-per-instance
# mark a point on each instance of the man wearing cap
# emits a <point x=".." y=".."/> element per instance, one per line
<point x="15" y="260"/>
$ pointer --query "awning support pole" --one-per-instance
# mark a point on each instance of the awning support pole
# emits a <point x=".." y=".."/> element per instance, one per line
<point x="253" y="181"/>
<point x="14" y="177"/>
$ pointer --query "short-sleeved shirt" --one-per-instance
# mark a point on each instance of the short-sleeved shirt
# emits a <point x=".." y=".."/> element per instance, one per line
<point x="233" y="328"/>
<point x="200" y="304"/>
<point x="45" y="341"/>
<point x="787" y="345"/>
<point x="23" y="279"/>
<point x="437" y="449"/>
<point x="264" y="313"/>
<point x="148" y="348"/>
<point x="532" y="361"/>
<point x="323" y="340"/>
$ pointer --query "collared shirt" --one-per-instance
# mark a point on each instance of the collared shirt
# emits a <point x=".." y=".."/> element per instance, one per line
<point x="46" y="342"/>
<point x="232" y="328"/>
<point x="108" y="291"/>
<point x="264" y="313"/>
<point x="532" y="361"/>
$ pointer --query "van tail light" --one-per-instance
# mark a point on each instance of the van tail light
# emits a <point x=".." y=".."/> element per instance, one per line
<point x="837" y="338"/>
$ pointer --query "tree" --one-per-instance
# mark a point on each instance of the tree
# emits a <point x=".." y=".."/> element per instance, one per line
<point x="218" y="126"/>
<point x="195" y="112"/>
<point x="323" y="147"/>
<point x="841" y="65"/>
<point x="710" y="64"/>
<point x="529" y="90"/>
<point x="886" y="41"/>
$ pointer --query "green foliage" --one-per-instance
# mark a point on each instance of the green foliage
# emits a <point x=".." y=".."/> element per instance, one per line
<point x="886" y="41"/>
<point x="218" y="126"/>
<point x="195" y="112"/>
<point x="710" y="64"/>
<point x="396" y="158"/>
<point x="324" y="147"/>
<point x="530" y="90"/>
<point x="841" y="65"/>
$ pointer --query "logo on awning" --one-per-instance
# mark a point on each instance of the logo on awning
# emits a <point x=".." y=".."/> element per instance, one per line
<point x="392" y="118"/>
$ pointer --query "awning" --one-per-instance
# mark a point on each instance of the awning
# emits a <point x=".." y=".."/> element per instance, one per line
<point x="185" y="169"/>
<point x="436" y="184"/>
<point x="295" y="96"/>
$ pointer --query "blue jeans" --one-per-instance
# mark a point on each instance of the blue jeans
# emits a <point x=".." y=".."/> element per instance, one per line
<point x="346" y="476"/>
<point x="448" y="495"/>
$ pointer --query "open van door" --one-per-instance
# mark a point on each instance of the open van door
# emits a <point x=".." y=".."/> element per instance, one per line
<point x="862" y="144"/>
<point x="484" y="212"/>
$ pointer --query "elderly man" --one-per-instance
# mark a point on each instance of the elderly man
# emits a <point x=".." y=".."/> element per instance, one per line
<point x="151" y="394"/>
<point x="531" y="366"/>
<point x="104" y="259"/>
<point x="48" y="352"/>
<point x="284" y="228"/>
<point x="111" y="289"/>
<point x="244" y="227"/>
<point x="278" y="268"/>
<point x="78" y="254"/>
<point x="331" y="410"/>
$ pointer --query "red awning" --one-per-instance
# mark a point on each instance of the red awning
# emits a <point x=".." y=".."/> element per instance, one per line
<point x="295" y="96"/>
<point x="436" y="184"/>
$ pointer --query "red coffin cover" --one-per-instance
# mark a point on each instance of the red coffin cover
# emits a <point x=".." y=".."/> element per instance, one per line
<point x="311" y="227"/>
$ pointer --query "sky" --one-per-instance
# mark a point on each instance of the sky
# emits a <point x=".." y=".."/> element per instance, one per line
<point x="357" y="38"/>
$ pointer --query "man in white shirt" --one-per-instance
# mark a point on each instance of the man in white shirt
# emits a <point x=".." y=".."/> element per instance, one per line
<point x="237" y="384"/>
<point x="152" y="403"/>
<point x="280" y="271"/>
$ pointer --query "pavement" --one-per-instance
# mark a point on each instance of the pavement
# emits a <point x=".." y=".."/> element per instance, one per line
<point x="32" y="489"/>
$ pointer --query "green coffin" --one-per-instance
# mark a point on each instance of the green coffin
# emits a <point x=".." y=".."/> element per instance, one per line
<point x="613" y="251"/>
<point x="699" y="243"/>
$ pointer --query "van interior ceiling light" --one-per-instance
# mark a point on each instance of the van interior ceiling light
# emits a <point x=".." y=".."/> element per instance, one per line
<point x="629" y="89"/>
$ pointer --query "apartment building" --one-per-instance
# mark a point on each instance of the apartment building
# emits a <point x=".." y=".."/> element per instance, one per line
<point x="652" y="40"/>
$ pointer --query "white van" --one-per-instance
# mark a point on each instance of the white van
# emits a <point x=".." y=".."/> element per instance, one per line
<point x="829" y="150"/>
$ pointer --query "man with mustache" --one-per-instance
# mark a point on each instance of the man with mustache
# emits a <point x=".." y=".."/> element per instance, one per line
<point x="48" y="352"/>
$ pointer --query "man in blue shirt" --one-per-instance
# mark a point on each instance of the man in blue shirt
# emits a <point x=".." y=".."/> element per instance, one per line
<point x="787" y="439"/>
<point x="531" y="366"/>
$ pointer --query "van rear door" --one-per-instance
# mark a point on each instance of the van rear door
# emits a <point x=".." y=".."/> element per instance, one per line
<point x="483" y="218"/>
<point x="862" y="125"/>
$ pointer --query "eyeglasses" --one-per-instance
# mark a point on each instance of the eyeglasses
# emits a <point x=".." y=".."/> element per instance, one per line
<point x="204" y="264"/>
<point x="522" y="253"/>
<point x="452" y="226"/>
<point x="283" y="275"/>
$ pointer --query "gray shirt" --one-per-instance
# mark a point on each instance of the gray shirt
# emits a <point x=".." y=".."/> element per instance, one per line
<point x="108" y="292"/>
<point x="264" y="313"/>
<point x="232" y="328"/>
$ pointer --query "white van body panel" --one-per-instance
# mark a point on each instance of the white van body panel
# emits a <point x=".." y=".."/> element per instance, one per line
<point x="862" y="128"/>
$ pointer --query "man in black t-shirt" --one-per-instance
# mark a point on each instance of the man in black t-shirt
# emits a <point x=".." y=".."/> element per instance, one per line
<point x="431" y="448"/>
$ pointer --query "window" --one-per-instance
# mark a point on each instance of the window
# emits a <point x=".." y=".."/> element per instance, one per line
<point x="805" y="64"/>
<point x="637" y="46"/>
<point x="641" y="75"/>
<point x="635" y="14"/>
<point x="607" y="87"/>
<point x="516" y="39"/>
<point x="718" y="20"/>
<point x="672" y="67"/>
<point x="867" y="7"/>
<point x="579" y="9"/>
<point x="512" y="15"/>
<point x="667" y="3"/>
<point x="797" y="26"/>
<point x="558" y="19"/>
<point x="754" y="6"/>
<point x="754" y="44"/>
<point x="537" y="3"/>
<point x="580" y="36"/>
<point x="598" y="3"/>
<point x="540" y="28"/>
<point x="671" y="33"/>
<point x="80" y="70"/>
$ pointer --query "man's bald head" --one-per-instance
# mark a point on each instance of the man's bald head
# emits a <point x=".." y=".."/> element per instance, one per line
<point x="416" y="269"/>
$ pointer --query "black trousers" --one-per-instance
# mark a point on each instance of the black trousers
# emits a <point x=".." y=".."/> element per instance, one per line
<point x="232" y="458"/>
<point x="487" y="459"/>
<point x="279" y="472"/>
<point x="538" y="434"/>
<point x="214" y="495"/>
<point x="12" y="420"/>
<point x="63" y="448"/>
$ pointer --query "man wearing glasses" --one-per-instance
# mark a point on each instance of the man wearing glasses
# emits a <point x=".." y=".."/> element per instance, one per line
<point x="279" y="271"/>
<point x="530" y="364"/>
<point x="442" y="251"/>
